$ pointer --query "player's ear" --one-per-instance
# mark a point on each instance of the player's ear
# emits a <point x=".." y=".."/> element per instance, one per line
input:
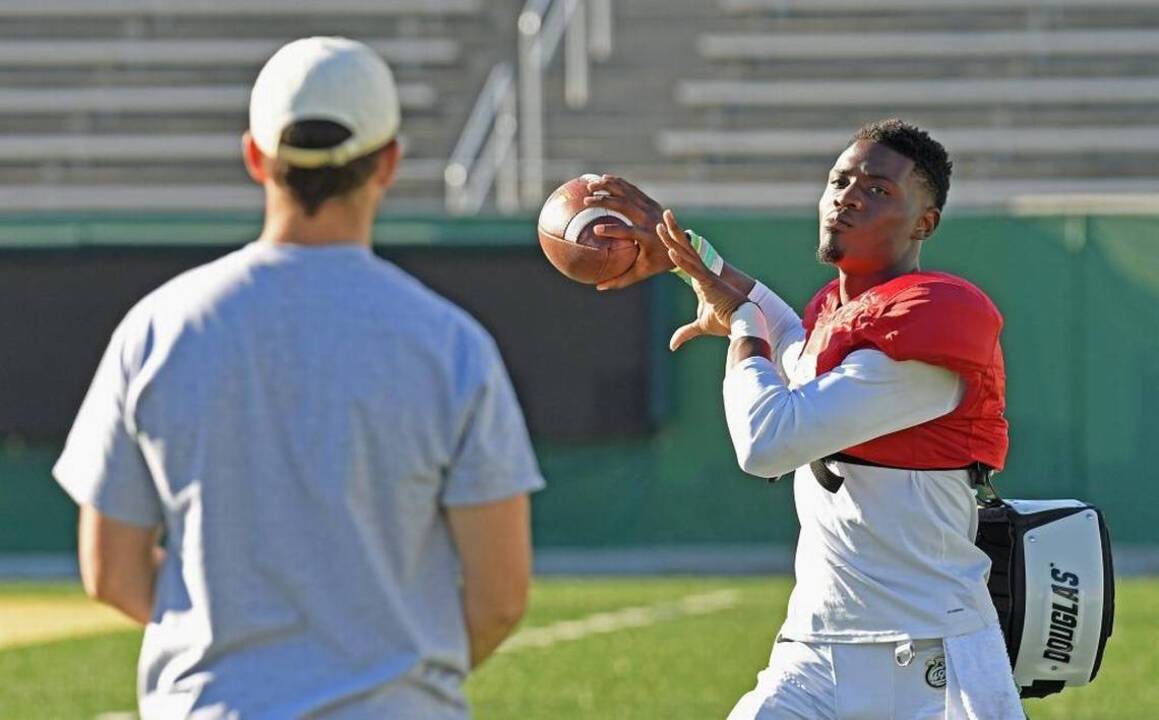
<point x="927" y="223"/>
<point x="253" y="158"/>
<point x="388" y="159"/>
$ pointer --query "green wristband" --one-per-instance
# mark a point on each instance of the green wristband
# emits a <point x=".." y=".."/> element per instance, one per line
<point x="707" y="253"/>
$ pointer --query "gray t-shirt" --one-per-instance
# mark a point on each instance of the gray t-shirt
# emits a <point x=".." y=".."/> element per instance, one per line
<point x="298" y="419"/>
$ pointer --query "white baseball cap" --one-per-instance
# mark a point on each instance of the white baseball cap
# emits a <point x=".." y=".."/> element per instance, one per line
<point x="324" y="78"/>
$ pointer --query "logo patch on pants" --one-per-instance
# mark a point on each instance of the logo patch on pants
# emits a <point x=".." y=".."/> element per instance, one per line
<point x="936" y="671"/>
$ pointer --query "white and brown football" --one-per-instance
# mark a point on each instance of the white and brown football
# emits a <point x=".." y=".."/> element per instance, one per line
<point x="569" y="241"/>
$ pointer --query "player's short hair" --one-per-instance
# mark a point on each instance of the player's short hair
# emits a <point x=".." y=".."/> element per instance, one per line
<point x="929" y="157"/>
<point x="311" y="187"/>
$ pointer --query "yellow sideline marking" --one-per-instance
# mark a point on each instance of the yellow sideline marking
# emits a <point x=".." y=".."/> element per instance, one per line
<point x="30" y="620"/>
<point x="629" y="617"/>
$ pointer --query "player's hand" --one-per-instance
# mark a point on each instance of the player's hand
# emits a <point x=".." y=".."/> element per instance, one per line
<point x="715" y="299"/>
<point x="618" y="194"/>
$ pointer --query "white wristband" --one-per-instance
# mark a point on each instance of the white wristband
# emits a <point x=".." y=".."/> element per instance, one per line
<point x="748" y="321"/>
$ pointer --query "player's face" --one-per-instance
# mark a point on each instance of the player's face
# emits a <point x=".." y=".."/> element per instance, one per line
<point x="870" y="210"/>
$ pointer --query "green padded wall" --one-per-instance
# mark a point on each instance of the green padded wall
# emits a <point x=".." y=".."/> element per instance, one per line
<point x="1079" y="294"/>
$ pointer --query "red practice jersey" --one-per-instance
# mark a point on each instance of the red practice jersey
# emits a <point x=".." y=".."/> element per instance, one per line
<point x="936" y="318"/>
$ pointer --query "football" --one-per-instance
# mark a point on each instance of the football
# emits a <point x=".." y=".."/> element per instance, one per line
<point x="567" y="235"/>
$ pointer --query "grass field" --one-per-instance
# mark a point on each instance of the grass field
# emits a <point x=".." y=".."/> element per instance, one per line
<point x="589" y="648"/>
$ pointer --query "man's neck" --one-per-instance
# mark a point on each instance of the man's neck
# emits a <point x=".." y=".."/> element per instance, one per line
<point x="333" y="224"/>
<point x="851" y="285"/>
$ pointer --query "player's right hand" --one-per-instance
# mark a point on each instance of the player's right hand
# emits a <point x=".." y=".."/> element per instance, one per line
<point x="616" y="193"/>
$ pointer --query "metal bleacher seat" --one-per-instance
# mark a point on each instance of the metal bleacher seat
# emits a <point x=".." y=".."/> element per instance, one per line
<point x="139" y="105"/>
<point x="954" y="45"/>
<point x="15" y="53"/>
<point x="1022" y="193"/>
<point x="216" y="8"/>
<point x="160" y="100"/>
<point x="920" y="93"/>
<point x="877" y="6"/>
<point x="909" y="93"/>
<point x="1032" y="97"/>
<point x="173" y="148"/>
<point x="964" y="141"/>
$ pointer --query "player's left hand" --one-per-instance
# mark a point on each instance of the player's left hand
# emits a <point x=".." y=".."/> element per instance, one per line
<point x="716" y="299"/>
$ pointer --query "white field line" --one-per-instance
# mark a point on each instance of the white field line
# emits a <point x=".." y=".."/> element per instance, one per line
<point x="595" y="624"/>
<point x="629" y="617"/>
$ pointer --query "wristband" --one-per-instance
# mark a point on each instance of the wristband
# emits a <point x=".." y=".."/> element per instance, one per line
<point x="707" y="253"/>
<point x="748" y="321"/>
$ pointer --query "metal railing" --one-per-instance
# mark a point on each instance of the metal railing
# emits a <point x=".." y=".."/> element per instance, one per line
<point x="486" y="153"/>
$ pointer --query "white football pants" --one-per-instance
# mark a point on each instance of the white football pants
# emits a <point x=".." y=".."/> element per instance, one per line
<point x="885" y="681"/>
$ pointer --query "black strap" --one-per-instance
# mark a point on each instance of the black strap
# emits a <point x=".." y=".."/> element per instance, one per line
<point x="831" y="481"/>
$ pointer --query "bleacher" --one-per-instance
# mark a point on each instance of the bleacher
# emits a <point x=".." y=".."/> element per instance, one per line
<point x="746" y="102"/>
<point x="140" y="104"/>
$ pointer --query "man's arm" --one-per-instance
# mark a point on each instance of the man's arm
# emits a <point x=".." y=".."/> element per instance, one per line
<point x="775" y="429"/>
<point x="648" y="217"/>
<point x="616" y="193"/>
<point x="494" y="544"/>
<point x="118" y="562"/>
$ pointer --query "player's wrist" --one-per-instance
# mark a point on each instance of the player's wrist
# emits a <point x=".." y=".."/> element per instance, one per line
<point x="708" y="254"/>
<point x="748" y="321"/>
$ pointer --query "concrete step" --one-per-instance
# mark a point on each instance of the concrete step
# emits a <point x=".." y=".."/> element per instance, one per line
<point x="197" y="197"/>
<point x="160" y="172"/>
<point x="928" y="45"/>
<point x="1009" y="68"/>
<point x="846" y="120"/>
<point x="200" y="149"/>
<point x="803" y="16"/>
<point x="161" y="99"/>
<point x="920" y="93"/>
<point x="983" y="142"/>
<point x="247" y="53"/>
<point x="1019" y="194"/>
<point x="1086" y="168"/>
<point x="57" y="9"/>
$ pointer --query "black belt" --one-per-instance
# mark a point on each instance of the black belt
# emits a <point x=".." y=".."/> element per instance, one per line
<point x="831" y="481"/>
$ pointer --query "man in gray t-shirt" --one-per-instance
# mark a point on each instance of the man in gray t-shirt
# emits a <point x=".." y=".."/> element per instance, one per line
<point x="331" y="455"/>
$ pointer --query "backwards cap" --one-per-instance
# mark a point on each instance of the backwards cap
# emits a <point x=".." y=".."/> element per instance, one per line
<point x="324" y="78"/>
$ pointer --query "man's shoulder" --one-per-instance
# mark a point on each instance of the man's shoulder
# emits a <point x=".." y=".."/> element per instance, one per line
<point x="421" y="300"/>
<point x="941" y="293"/>
<point x="190" y="283"/>
<point x="929" y="315"/>
<point x="184" y="290"/>
<point x="938" y="285"/>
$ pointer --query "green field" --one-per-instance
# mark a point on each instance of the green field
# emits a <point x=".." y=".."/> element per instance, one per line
<point x="655" y="648"/>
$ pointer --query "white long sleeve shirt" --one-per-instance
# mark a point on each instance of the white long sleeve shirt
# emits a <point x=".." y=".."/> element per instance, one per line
<point x="890" y="556"/>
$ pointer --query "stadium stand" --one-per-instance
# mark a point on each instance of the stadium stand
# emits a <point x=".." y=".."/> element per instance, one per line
<point x="140" y="104"/>
<point x="749" y="100"/>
